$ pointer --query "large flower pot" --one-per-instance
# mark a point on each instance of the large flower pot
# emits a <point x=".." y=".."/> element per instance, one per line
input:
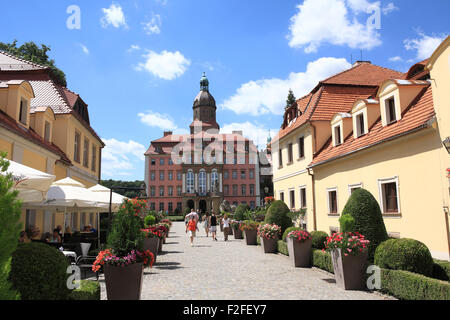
<point x="164" y="239"/>
<point x="349" y="271"/>
<point x="124" y="283"/>
<point x="152" y="244"/>
<point x="238" y="233"/>
<point x="269" y="245"/>
<point x="250" y="237"/>
<point x="160" y="243"/>
<point x="230" y="231"/>
<point x="300" y="252"/>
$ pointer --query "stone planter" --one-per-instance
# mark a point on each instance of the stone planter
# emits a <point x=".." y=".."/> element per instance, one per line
<point x="269" y="245"/>
<point x="300" y="252"/>
<point x="124" y="283"/>
<point x="160" y="243"/>
<point x="238" y="233"/>
<point x="164" y="239"/>
<point x="349" y="271"/>
<point x="250" y="237"/>
<point x="152" y="244"/>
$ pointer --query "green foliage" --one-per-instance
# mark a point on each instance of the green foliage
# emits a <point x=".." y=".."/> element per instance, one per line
<point x="278" y="214"/>
<point x="176" y="218"/>
<point x="187" y="211"/>
<point x="322" y="260"/>
<point x="286" y="232"/>
<point x="282" y="247"/>
<point x="441" y="270"/>
<point x="239" y="214"/>
<point x="125" y="235"/>
<point x="131" y="194"/>
<point x="406" y="285"/>
<point x="404" y="254"/>
<point x="347" y="223"/>
<point x="318" y="239"/>
<point x="149" y="220"/>
<point x="32" y="52"/>
<point x="38" y="272"/>
<point x="290" y="99"/>
<point x="295" y="215"/>
<point x="89" y="290"/>
<point x="10" y="226"/>
<point x="364" y="208"/>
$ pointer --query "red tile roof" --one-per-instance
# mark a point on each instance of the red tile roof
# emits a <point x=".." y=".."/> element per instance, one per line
<point x="415" y="117"/>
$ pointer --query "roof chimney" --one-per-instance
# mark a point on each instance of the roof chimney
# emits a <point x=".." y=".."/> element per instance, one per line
<point x="357" y="63"/>
<point x="167" y="133"/>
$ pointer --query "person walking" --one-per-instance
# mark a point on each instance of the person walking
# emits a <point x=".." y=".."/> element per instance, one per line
<point x="226" y="227"/>
<point x="192" y="226"/>
<point x="206" y="223"/>
<point x="213" y="225"/>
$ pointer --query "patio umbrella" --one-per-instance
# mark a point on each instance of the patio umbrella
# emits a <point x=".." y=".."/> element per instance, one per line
<point x="103" y="194"/>
<point x="32" y="184"/>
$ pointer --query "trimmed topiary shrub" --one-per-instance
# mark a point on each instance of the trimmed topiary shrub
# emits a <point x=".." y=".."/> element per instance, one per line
<point x="404" y="254"/>
<point x="286" y="232"/>
<point x="364" y="208"/>
<point x="322" y="260"/>
<point x="318" y="239"/>
<point x="278" y="214"/>
<point x="89" y="290"/>
<point x="239" y="214"/>
<point x="441" y="270"/>
<point x="149" y="220"/>
<point x="38" y="272"/>
<point x="347" y="223"/>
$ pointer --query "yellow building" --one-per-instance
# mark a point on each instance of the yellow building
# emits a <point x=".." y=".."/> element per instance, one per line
<point x="46" y="127"/>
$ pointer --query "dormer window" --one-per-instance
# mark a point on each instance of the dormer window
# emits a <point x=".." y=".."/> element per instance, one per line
<point x="47" y="129"/>
<point x="23" y="111"/>
<point x="360" y="129"/>
<point x="337" y="135"/>
<point x="390" y="110"/>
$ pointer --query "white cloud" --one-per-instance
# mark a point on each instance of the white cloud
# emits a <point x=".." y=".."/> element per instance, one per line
<point x="396" y="59"/>
<point x="390" y="7"/>
<point x="256" y="132"/>
<point x="153" y="26"/>
<point x="84" y="48"/>
<point x="328" y="21"/>
<point x="120" y="158"/>
<point x="424" y="45"/>
<point x="269" y="95"/>
<point x="134" y="47"/>
<point x="155" y="119"/>
<point x="165" y="65"/>
<point x="113" y="16"/>
<point x="161" y="2"/>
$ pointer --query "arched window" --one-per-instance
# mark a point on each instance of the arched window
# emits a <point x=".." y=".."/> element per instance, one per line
<point x="214" y="181"/>
<point x="190" y="181"/>
<point x="202" y="181"/>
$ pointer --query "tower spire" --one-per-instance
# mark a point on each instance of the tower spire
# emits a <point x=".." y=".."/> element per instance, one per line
<point x="204" y="83"/>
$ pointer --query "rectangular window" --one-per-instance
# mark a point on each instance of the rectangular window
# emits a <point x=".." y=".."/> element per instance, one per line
<point x="170" y="191"/>
<point x="292" y="198"/>
<point x="244" y="190"/>
<point x="179" y="191"/>
<point x="86" y="153"/>
<point x="252" y="190"/>
<point x="390" y="197"/>
<point x="170" y="162"/>
<point x="161" y="191"/>
<point x="243" y="174"/>
<point x="153" y="162"/>
<point x="94" y="158"/>
<point x="179" y="206"/>
<point x="390" y="110"/>
<point x="152" y="175"/>
<point x="179" y="175"/>
<point x="225" y="174"/>
<point x="161" y="175"/>
<point x="332" y="201"/>
<point x="282" y="196"/>
<point x="301" y="147"/>
<point x="252" y="205"/>
<point x="337" y="135"/>
<point x="360" y="125"/>
<point x="251" y="174"/>
<point x="226" y="190"/>
<point x="235" y="190"/>
<point x="303" y="197"/>
<point x="170" y="175"/>
<point x="161" y="206"/>
<point x="170" y="207"/>
<point x="234" y="174"/>
<point x="23" y="112"/>
<point x="47" y="131"/>
<point x="161" y="162"/>
<point x="152" y="191"/>
<point x="280" y="158"/>
<point x="76" y="153"/>
<point x="290" y="157"/>
<point x="152" y="206"/>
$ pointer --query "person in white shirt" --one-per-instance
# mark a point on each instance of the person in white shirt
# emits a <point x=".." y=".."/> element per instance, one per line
<point x="226" y="226"/>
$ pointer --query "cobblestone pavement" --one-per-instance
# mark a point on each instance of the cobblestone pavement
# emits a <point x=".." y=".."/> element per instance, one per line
<point x="233" y="271"/>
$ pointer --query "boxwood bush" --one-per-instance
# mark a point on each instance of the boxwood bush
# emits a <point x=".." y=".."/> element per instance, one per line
<point x="322" y="260"/>
<point x="404" y="254"/>
<point x="149" y="220"/>
<point x="239" y="214"/>
<point x="441" y="270"/>
<point x="89" y="290"/>
<point x="282" y="247"/>
<point x="38" y="272"/>
<point x="286" y="232"/>
<point x="278" y="214"/>
<point x="319" y="238"/>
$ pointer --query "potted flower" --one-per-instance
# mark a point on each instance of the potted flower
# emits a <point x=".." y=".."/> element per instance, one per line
<point x="151" y="240"/>
<point x="269" y="234"/>
<point x="124" y="262"/>
<point x="250" y="232"/>
<point x="162" y="236"/>
<point x="235" y="225"/>
<point x="300" y="248"/>
<point x="349" y="257"/>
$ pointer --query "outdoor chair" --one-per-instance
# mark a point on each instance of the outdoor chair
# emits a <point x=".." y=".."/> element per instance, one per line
<point x="86" y="262"/>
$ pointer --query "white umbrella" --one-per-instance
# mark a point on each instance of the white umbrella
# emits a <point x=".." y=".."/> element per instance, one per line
<point x="103" y="195"/>
<point x="32" y="184"/>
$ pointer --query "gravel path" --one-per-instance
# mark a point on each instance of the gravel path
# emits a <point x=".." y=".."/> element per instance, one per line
<point x="233" y="271"/>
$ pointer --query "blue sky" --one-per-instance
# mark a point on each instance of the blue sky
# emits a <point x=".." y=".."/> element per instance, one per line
<point x="137" y="64"/>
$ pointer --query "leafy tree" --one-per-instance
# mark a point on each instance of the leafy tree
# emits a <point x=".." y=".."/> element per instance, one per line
<point x="10" y="211"/>
<point x="128" y="184"/>
<point x="32" y="52"/>
<point x="290" y="99"/>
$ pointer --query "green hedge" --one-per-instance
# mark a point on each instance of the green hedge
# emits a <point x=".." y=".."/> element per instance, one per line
<point x="406" y="285"/>
<point x="176" y="218"/>
<point x="322" y="260"/>
<point x="288" y="230"/>
<point x="258" y="240"/>
<point x="441" y="270"/>
<point x="319" y="238"/>
<point x="89" y="290"/>
<point x="282" y="247"/>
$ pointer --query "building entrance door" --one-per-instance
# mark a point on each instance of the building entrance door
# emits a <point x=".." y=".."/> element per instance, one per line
<point x="191" y="204"/>
<point x="202" y="206"/>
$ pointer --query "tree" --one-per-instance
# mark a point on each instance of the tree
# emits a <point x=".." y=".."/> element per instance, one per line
<point x="32" y="52"/>
<point x="128" y="184"/>
<point x="10" y="226"/>
<point x="290" y="99"/>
